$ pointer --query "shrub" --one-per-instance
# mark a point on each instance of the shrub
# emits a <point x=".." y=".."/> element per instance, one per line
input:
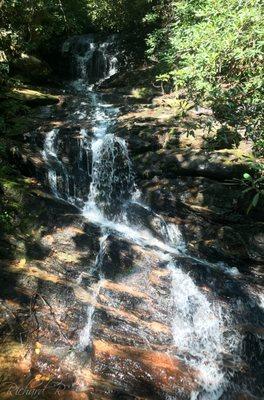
<point x="214" y="48"/>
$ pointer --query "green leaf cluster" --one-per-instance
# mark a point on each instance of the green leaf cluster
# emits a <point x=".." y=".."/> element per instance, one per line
<point x="254" y="183"/>
<point x="214" y="48"/>
<point x="28" y="25"/>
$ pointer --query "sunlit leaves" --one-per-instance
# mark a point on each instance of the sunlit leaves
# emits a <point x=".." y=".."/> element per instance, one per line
<point x="215" y="48"/>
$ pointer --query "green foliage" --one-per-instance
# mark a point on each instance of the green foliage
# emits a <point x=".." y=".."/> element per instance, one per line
<point x="29" y="24"/>
<point x="6" y="221"/>
<point x="142" y="92"/>
<point x="224" y="138"/>
<point x="11" y="205"/>
<point x="33" y="27"/>
<point x="214" y="48"/>
<point x="4" y="67"/>
<point x="13" y="187"/>
<point x="14" y="115"/>
<point x="118" y="16"/>
<point x="253" y="183"/>
<point x="36" y="26"/>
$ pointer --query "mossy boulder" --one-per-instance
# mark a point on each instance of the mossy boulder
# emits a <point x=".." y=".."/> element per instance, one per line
<point x="31" y="68"/>
<point x="33" y="97"/>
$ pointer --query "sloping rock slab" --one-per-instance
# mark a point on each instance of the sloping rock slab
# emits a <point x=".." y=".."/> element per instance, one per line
<point x="219" y="165"/>
<point x="141" y="372"/>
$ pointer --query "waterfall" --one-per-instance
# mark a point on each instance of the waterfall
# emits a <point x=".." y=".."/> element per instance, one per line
<point x="91" y="60"/>
<point x="67" y="160"/>
<point x="85" y="334"/>
<point x="199" y="333"/>
<point x="56" y="168"/>
<point x="92" y="170"/>
<point x="49" y="153"/>
<point x="112" y="178"/>
<point x="72" y="160"/>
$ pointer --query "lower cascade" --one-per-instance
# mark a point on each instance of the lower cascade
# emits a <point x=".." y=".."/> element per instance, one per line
<point x="198" y="330"/>
<point x="179" y="312"/>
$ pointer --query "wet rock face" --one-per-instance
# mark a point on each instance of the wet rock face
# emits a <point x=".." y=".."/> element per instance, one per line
<point x="29" y="162"/>
<point x="140" y="365"/>
<point x="198" y="195"/>
<point x="245" y="240"/>
<point x="89" y="57"/>
<point x="139" y="139"/>
<point x="119" y="361"/>
<point x="120" y="257"/>
<point x="74" y="158"/>
<point x="117" y="258"/>
<point x="171" y="163"/>
<point x="131" y="353"/>
<point x="145" y="218"/>
<point x="185" y="172"/>
<point x="72" y="145"/>
<point x="212" y="224"/>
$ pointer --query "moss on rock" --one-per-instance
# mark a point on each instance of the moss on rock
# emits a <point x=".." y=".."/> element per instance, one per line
<point x="33" y="97"/>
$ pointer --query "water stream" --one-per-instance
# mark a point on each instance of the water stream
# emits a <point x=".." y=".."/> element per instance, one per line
<point x="96" y="175"/>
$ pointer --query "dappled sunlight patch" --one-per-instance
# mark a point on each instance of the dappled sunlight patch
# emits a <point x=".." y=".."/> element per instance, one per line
<point x="154" y="368"/>
<point x="67" y="258"/>
<point x="34" y="96"/>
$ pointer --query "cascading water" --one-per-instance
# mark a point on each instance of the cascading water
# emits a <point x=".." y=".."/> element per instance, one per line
<point x="68" y="167"/>
<point x="85" y="334"/>
<point x="49" y="153"/>
<point x="112" y="178"/>
<point x="198" y="333"/>
<point x="102" y="186"/>
<point x="58" y="176"/>
<point x="91" y="61"/>
<point x="71" y="159"/>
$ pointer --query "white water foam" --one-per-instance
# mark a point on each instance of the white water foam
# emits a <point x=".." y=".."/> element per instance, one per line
<point x="112" y="178"/>
<point x="91" y="58"/>
<point x="85" y="334"/>
<point x="198" y="331"/>
<point x="48" y="153"/>
<point x="141" y="237"/>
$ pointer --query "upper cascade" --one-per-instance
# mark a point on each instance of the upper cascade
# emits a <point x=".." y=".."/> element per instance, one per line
<point x="112" y="177"/>
<point x="91" y="59"/>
